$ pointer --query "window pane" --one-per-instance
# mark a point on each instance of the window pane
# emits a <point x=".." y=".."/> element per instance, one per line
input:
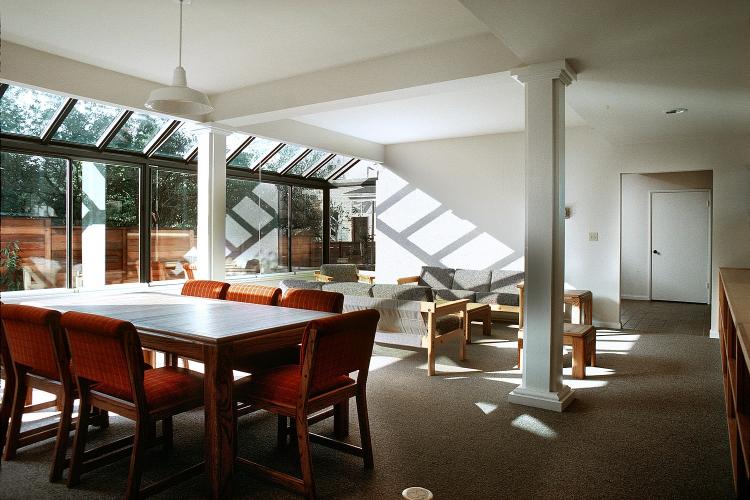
<point x="105" y="224"/>
<point x="256" y="227"/>
<point x="174" y="220"/>
<point x="26" y="111"/>
<point x="86" y="123"/>
<point x="361" y="170"/>
<point x="308" y="162"/>
<point x="283" y="158"/>
<point x="234" y="141"/>
<point x="351" y="213"/>
<point x="307" y="228"/>
<point x="32" y="222"/>
<point x="180" y="143"/>
<point x="138" y="131"/>
<point x="329" y="168"/>
<point x="254" y="152"/>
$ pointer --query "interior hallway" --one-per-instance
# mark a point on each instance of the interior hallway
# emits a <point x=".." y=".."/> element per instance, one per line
<point x="666" y="317"/>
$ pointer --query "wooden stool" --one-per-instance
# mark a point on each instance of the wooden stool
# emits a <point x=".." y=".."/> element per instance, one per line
<point x="479" y="312"/>
<point x="583" y="340"/>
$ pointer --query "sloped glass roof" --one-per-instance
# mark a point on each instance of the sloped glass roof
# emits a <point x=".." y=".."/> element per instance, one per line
<point x="27" y="111"/>
<point x="363" y="169"/>
<point x="283" y="158"/>
<point x="310" y="160"/>
<point x="180" y="143"/>
<point x="254" y="152"/>
<point x="331" y="166"/>
<point x="139" y="130"/>
<point x="86" y="123"/>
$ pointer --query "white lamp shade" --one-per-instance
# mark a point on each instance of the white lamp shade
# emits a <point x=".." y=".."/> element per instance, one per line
<point x="179" y="99"/>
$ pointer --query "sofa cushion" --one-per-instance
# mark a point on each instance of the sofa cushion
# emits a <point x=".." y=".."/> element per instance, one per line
<point x="305" y="285"/>
<point x="467" y="279"/>
<point x="448" y="323"/>
<point x="348" y="288"/>
<point x="492" y="298"/>
<point x="436" y="277"/>
<point x="402" y="292"/>
<point x="341" y="272"/>
<point x="505" y="281"/>
<point x="448" y="294"/>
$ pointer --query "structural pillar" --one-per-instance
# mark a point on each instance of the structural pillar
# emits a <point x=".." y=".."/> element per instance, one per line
<point x="542" y="384"/>
<point x="212" y="192"/>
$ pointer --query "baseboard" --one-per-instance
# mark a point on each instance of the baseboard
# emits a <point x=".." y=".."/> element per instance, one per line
<point x="634" y="297"/>
<point x="714" y="334"/>
<point x="612" y="325"/>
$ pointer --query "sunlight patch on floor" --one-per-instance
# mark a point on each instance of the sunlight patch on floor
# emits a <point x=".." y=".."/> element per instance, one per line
<point x="533" y="425"/>
<point x="377" y="362"/>
<point x="486" y="407"/>
<point x="440" y="369"/>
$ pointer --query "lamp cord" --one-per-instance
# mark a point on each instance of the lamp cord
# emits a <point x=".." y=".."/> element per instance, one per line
<point x="180" y="49"/>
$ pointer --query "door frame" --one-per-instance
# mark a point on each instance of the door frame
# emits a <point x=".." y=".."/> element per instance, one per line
<point x="710" y="234"/>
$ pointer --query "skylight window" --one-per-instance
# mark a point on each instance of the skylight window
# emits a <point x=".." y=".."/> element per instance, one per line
<point x="361" y="170"/>
<point x="334" y="164"/>
<point x="86" y="123"/>
<point x="254" y="152"/>
<point x="180" y="143"/>
<point x="283" y="158"/>
<point x="27" y="112"/>
<point x="138" y="131"/>
<point x="234" y="141"/>
<point x="308" y="162"/>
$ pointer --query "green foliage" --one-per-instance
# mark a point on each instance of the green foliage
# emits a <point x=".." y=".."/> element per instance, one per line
<point x="29" y="183"/>
<point x="11" y="273"/>
<point x="175" y="200"/>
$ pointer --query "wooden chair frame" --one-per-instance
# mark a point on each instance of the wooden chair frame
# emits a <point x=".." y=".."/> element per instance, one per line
<point x="362" y="278"/>
<point x="434" y="311"/>
<point x="305" y="406"/>
<point x="501" y="308"/>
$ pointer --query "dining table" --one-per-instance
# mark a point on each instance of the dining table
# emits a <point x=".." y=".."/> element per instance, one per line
<point x="214" y="332"/>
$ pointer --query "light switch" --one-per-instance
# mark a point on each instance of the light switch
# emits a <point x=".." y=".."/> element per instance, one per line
<point x="594" y="236"/>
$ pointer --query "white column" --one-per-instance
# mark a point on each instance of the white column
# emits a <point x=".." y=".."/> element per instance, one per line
<point x="94" y="222"/>
<point x="542" y="384"/>
<point x="212" y="187"/>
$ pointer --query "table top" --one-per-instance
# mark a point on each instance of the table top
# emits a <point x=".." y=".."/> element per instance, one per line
<point x="207" y="321"/>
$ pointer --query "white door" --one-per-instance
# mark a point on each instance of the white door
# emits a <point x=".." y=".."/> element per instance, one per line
<point x="680" y="246"/>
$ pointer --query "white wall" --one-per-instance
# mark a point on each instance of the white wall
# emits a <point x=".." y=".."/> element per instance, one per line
<point x="428" y="189"/>
<point x="635" y="249"/>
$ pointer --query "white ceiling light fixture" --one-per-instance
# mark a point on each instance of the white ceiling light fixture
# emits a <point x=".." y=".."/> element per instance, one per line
<point x="179" y="99"/>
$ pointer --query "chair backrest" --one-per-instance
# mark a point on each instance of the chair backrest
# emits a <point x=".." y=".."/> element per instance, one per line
<point x="205" y="288"/>
<point x="436" y="277"/>
<point x="189" y="274"/>
<point x="313" y="300"/>
<point x="254" y="294"/>
<point x="336" y="346"/>
<point x="340" y="272"/>
<point x="105" y="350"/>
<point x="34" y="340"/>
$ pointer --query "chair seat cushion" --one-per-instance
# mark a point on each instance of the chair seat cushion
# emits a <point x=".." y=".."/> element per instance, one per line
<point x="505" y="299"/>
<point x="359" y="289"/>
<point x="281" y="385"/>
<point x="164" y="388"/>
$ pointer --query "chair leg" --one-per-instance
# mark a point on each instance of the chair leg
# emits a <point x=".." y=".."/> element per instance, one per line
<point x="167" y="431"/>
<point x="79" y="442"/>
<point x="14" y="431"/>
<point x="341" y="419"/>
<point x="364" y="429"/>
<point x="103" y="418"/>
<point x="63" y="432"/>
<point x="282" y="430"/>
<point x="431" y="357"/>
<point x="142" y="430"/>
<point x="303" y="447"/>
<point x="6" y="407"/>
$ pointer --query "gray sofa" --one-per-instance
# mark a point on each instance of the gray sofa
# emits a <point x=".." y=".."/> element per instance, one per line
<point x="496" y="287"/>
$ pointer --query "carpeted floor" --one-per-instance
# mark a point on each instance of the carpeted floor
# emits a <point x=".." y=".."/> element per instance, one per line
<point x="648" y="423"/>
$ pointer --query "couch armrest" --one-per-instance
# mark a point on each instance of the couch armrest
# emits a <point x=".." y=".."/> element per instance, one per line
<point x="322" y="277"/>
<point x="443" y="308"/>
<point x="408" y="279"/>
<point x="364" y="278"/>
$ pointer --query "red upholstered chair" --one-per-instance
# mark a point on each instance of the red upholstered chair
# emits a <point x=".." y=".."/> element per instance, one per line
<point x="206" y="289"/>
<point x="254" y="294"/>
<point x="189" y="274"/>
<point x="332" y="348"/>
<point x="313" y="300"/>
<point x="35" y="356"/>
<point x="109" y="371"/>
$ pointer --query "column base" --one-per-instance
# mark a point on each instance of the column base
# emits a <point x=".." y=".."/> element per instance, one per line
<point x="555" y="401"/>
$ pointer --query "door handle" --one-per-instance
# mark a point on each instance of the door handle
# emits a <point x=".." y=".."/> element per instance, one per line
<point x="656" y="252"/>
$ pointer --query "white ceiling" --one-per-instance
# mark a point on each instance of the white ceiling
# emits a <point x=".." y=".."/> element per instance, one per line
<point x="230" y="44"/>
<point x="493" y="106"/>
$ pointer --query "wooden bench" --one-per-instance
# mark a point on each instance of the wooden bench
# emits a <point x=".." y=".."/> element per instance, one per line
<point x="583" y="340"/>
<point x="482" y="313"/>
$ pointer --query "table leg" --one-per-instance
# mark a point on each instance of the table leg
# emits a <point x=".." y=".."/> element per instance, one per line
<point x="487" y="324"/>
<point x="579" y="357"/>
<point x="220" y="438"/>
<point x="576" y="316"/>
<point x="588" y="310"/>
<point x="467" y="330"/>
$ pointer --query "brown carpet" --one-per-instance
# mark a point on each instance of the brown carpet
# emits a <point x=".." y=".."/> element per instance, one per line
<point x="648" y="423"/>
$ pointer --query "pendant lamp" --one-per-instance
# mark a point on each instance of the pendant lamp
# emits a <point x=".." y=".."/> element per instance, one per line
<point x="178" y="98"/>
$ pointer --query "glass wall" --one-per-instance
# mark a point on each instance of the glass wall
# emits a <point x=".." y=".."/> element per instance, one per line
<point x="106" y="230"/>
<point x="256" y="227"/>
<point x="33" y="213"/>
<point x="307" y="228"/>
<point x="174" y="220"/>
<point x="352" y="222"/>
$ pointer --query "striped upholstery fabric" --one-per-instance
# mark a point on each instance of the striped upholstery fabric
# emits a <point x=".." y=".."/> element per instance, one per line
<point x="28" y="336"/>
<point x="314" y="300"/>
<point x="343" y="345"/>
<point x="163" y="388"/>
<point x="205" y="288"/>
<point x="97" y="348"/>
<point x="254" y="294"/>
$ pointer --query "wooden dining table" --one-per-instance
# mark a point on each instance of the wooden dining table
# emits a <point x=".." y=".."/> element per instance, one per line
<point x="214" y="332"/>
